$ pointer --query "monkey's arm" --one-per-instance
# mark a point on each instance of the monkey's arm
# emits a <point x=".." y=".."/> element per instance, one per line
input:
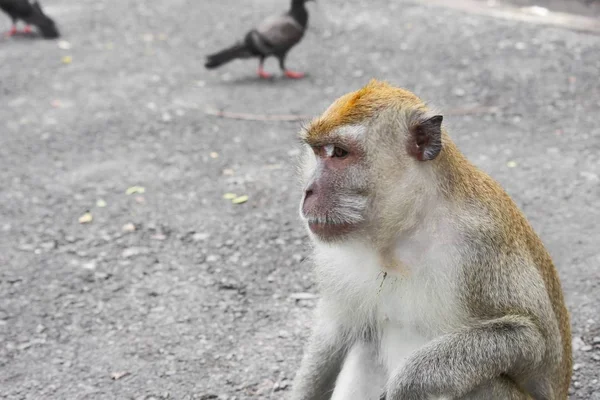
<point x="456" y="363"/>
<point x="321" y="364"/>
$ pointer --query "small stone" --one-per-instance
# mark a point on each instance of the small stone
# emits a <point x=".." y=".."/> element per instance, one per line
<point x="577" y="343"/>
<point x="24" y="346"/>
<point x="576" y="367"/>
<point x="459" y="92"/>
<point x="577" y="384"/>
<point x="212" y="258"/>
<point x="596" y="340"/>
<point x="90" y="265"/>
<point x="64" y="45"/>
<point x="520" y="46"/>
<point x="281" y="386"/>
<point x="303" y="296"/>
<point x="129" y="227"/>
<point x="587" y="347"/>
<point x="200" y="236"/>
<point x="596" y="357"/>
<point x="133" y="251"/>
<point x="115" y="376"/>
<point x="40" y="328"/>
<point x="101" y="276"/>
<point x="283" y="334"/>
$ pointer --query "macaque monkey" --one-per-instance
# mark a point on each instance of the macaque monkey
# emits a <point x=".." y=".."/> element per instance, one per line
<point x="433" y="284"/>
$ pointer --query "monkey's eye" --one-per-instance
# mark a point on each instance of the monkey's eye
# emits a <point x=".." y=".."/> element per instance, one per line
<point x="335" y="151"/>
<point x="339" y="152"/>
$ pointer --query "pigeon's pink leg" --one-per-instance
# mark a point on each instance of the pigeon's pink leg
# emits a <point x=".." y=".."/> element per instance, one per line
<point x="27" y="29"/>
<point x="13" y="31"/>
<point x="294" y="75"/>
<point x="262" y="73"/>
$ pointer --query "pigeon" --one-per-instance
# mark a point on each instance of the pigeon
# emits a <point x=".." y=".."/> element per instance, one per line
<point x="31" y="14"/>
<point x="275" y="36"/>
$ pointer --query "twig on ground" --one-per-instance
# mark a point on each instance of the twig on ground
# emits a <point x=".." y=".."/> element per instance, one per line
<point x="256" y="117"/>
<point x="298" y="117"/>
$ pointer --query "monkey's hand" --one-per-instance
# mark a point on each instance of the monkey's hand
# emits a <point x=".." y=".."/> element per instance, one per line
<point x="458" y="362"/>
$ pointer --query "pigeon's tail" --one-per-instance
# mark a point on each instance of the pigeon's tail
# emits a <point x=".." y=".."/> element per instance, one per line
<point x="49" y="30"/>
<point x="238" y="50"/>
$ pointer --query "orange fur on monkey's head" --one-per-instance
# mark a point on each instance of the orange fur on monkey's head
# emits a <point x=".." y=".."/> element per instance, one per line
<point x="356" y="107"/>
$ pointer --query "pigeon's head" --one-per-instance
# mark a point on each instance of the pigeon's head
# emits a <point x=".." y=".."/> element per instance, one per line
<point x="46" y="25"/>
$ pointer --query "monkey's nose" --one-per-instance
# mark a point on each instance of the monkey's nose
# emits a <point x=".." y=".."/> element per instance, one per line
<point x="308" y="193"/>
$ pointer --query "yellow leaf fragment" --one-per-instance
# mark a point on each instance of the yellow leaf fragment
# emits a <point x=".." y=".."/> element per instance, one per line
<point x="229" y="196"/>
<point x="67" y="60"/>
<point x="100" y="203"/>
<point x="86" y="218"/>
<point x="214" y="154"/>
<point x="511" y="164"/>
<point x="240" y="199"/>
<point x="135" y="189"/>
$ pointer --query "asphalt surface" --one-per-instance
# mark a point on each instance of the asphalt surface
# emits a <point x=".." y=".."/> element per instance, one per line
<point x="177" y="293"/>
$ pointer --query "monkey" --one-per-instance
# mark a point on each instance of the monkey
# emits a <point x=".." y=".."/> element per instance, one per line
<point x="433" y="285"/>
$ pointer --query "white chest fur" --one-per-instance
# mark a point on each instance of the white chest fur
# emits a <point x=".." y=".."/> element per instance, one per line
<point x="406" y="307"/>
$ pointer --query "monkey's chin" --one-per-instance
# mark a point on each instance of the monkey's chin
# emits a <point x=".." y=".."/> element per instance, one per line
<point x="329" y="232"/>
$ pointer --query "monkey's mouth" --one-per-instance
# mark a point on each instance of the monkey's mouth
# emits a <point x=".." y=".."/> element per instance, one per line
<point x="329" y="229"/>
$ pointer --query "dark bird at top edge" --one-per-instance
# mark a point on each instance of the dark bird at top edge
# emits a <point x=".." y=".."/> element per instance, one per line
<point x="275" y="36"/>
<point x="31" y="14"/>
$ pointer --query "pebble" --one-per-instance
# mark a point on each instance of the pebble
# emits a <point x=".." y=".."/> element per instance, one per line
<point x="212" y="258"/>
<point x="577" y="343"/>
<point x="200" y="236"/>
<point x="134" y="251"/>
<point x="596" y="340"/>
<point x="587" y="347"/>
<point x="303" y="296"/>
<point x="129" y="227"/>
<point x="459" y="92"/>
<point x="91" y="265"/>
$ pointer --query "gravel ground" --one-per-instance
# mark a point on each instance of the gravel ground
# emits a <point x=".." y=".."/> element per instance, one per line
<point x="176" y="293"/>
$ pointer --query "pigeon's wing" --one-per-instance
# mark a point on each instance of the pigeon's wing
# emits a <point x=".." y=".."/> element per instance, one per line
<point x="278" y="34"/>
<point x="17" y="8"/>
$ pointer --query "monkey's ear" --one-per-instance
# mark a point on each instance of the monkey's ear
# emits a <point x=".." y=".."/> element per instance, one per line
<point x="426" y="138"/>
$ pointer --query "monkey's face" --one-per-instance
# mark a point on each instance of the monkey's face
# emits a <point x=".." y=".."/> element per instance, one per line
<point x="335" y="189"/>
<point x="362" y="169"/>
